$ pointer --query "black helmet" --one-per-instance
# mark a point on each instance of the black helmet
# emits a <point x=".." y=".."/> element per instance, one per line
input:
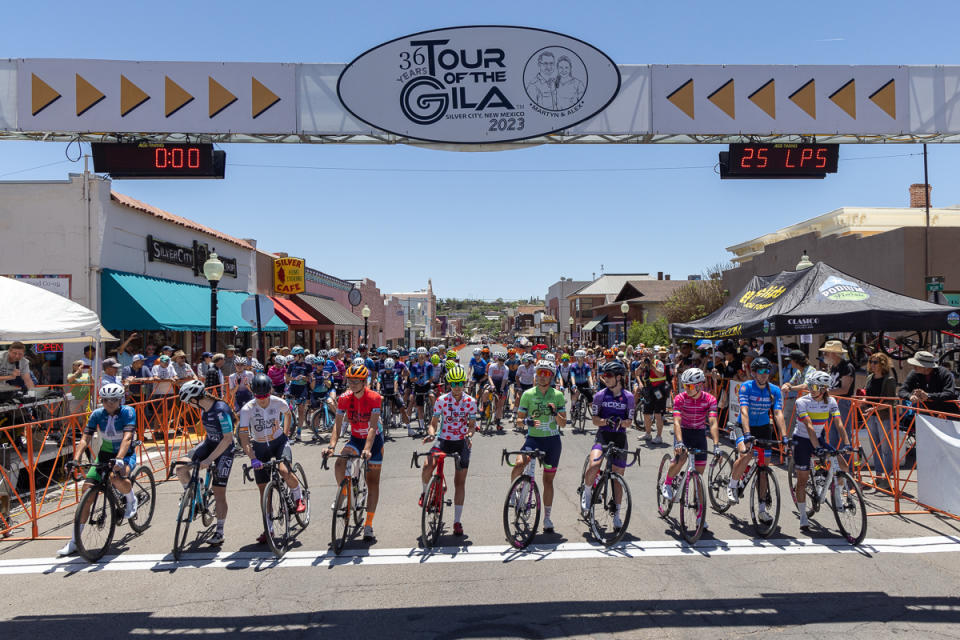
<point x="760" y="363"/>
<point x="615" y="367"/>
<point x="261" y="385"/>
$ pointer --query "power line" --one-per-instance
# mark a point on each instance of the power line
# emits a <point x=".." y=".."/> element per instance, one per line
<point x="50" y="164"/>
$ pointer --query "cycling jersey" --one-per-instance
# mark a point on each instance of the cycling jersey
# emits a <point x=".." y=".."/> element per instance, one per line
<point x="526" y="374"/>
<point x="497" y="371"/>
<point x="388" y="381"/>
<point x="512" y="365"/>
<point x="297" y="369"/>
<point x="563" y="371"/>
<point x="694" y="412"/>
<point x="275" y="374"/>
<point x="580" y="372"/>
<point x="455" y="416"/>
<point x="421" y="373"/>
<point x="112" y="427"/>
<point x="606" y="406"/>
<point x="335" y="368"/>
<point x="217" y="420"/>
<point x="479" y="367"/>
<point x="759" y="400"/>
<point x="437" y="372"/>
<point x="358" y="410"/>
<point x="264" y="424"/>
<point x="819" y="412"/>
<point x="534" y="403"/>
<point x="322" y="382"/>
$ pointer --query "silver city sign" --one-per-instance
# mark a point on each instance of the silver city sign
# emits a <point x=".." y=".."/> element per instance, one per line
<point x="479" y="85"/>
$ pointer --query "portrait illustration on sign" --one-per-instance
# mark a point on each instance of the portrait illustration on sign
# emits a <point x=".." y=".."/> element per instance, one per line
<point x="555" y="79"/>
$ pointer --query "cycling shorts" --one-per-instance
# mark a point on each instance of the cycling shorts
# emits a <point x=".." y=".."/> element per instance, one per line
<point x="221" y="466"/>
<point x="420" y="394"/>
<point x="267" y="451"/>
<point x="619" y="440"/>
<point x="395" y="399"/>
<point x="454" y="446"/>
<point x="585" y="389"/>
<point x="298" y="393"/>
<point x="523" y="387"/>
<point x="550" y="445"/>
<point x="499" y="385"/>
<point x="759" y="431"/>
<point x="802" y="453"/>
<point x="130" y="460"/>
<point x="278" y="389"/>
<point x="695" y="439"/>
<point x="356" y="445"/>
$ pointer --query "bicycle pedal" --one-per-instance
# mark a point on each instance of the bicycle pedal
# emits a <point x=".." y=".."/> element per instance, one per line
<point x="449" y="503"/>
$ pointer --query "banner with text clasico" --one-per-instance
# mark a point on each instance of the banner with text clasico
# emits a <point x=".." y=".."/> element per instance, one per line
<point x="482" y="84"/>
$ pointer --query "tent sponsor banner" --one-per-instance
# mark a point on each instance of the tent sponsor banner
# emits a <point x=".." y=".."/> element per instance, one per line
<point x="938" y="463"/>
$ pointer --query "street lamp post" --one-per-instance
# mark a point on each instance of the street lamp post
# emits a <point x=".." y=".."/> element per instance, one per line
<point x="624" y="308"/>
<point x="365" y="312"/>
<point x="409" y="333"/>
<point x="213" y="271"/>
<point x="570" y="322"/>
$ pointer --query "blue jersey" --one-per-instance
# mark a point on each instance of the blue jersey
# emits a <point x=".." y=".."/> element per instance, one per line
<point x="217" y="420"/>
<point x="112" y="427"/>
<point x="322" y="381"/>
<point x="759" y="400"/>
<point x="479" y="366"/>
<point x="296" y="369"/>
<point x="421" y="373"/>
<point x="388" y="381"/>
<point x="580" y="372"/>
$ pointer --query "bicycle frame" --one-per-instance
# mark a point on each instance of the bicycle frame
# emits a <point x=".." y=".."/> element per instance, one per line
<point x="202" y="490"/>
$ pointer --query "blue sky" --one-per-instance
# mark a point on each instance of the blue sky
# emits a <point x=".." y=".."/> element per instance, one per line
<point x="485" y="224"/>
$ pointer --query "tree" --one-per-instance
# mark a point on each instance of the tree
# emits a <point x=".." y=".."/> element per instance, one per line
<point x="697" y="298"/>
<point x="649" y="333"/>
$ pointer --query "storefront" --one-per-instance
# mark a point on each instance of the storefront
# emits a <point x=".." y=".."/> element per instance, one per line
<point x="303" y="327"/>
<point x="337" y="327"/>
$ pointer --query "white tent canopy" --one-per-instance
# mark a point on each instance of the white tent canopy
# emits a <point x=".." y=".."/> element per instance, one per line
<point x="32" y="314"/>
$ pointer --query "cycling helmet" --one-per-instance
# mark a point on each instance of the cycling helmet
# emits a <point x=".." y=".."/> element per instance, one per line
<point x="389" y="363"/>
<point x="579" y="353"/>
<point x="261" y="385"/>
<point x="500" y="355"/>
<point x="333" y="353"/>
<point x="565" y="357"/>
<point x="434" y="350"/>
<point x="403" y="352"/>
<point x="760" y="363"/>
<point x="362" y="347"/>
<point x="310" y="359"/>
<point x="477" y="352"/>
<point x="818" y="378"/>
<point x="551" y="357"/>
<point x="621" y="354"/>
<point x="511" y="351"/>
<point x="692" y="376"/>
<point x="450" y="364"/>
<point x="434" y="359"/>
<point x="546" y="365"/>
<point x="322" y="354"/>
<point x="608" y="353"/>
<point x="393" y="353"/>
<point x="359" y="360"/>
<point x="451" y="355"/>
<point x="357" y="371"/>
<point x="441" y="347"/>
<point x="297" y="350"/>
<point x="456" y="374"/>
<point x="382" y="350"/>
<point x="422" y="351"/>
<point x="191" y="390"/>
<point x="112" y="391"/>
<point x="486" y="350"/>
<point x="528" y="357"/>
<point x="616" y="368"/>
<point x="280" y="361"/>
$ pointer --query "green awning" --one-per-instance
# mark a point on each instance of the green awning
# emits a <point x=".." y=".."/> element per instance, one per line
<point x="593" y="324"/>
<point x="133" y="302"/>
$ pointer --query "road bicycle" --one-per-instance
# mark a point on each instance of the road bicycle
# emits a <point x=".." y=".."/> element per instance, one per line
<point x="197" y="500"/>
<point x="277" y="505"/>
<point x="104" y="507"/>
<point x="607" y="486"/>
<point x="580" y="413"/>
<point x="388" y="416"/>
<point x="427" y="410"/>
<point x="320" y="418"/>
<point x="522" y="507"/>
<point x="846" y="498"/>
<point x="488" y="412"/>
<point x="433" y="499"/>
<point x="688" y="491"/>
<point x="350" y="505"/>
<point x="718" y="480"/>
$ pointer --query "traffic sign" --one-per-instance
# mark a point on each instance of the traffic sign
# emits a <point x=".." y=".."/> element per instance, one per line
<point x="249" y="310"/>
<point x="934" y="283"/>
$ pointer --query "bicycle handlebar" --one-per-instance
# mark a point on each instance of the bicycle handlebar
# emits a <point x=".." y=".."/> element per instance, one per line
<point x="415" y="459"/>
<point x="347" y="456"/>
<point x="534" y="453"/>
<point x="611" y="450"/>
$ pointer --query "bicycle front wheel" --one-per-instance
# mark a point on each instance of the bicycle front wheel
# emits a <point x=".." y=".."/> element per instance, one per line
<point x="145" y="489"/>
<point x="184" y="518"/>
<point x="608" y="518"/>
<point x="431" y="515"/>
<point x="209" y="502"/>
<point x="849" y="508"/>
<point x="521" y="512"/>
<point x="718" y="479"/>
<point x="94" y="533"/>
<point x="276" y="519"/>
<point x="765" y="505"/>
<point x="810" y="492"/>
<point x="360" y="493"/>
<point x="342" y="508"/>
<point x="692" y="507"/>
<point x="663" y="505"/>
<point x="303" y="519"/>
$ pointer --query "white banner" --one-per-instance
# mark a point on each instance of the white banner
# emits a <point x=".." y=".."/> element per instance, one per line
<point x="58" y="284"/>
<point x="938" y="463"/>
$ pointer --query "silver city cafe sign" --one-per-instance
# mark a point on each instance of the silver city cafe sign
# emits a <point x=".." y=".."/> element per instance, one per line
<point x="189" y="257"/>
<point x="479" y="85"/>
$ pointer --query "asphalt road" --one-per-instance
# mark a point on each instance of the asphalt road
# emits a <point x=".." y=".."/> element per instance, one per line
<point x="902" y="579"/>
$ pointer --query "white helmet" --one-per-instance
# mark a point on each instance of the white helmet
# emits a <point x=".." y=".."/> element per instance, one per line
<point x="477" y="352"/>
<point x="310" y="359"/>
<point x="821" y="378"/>
<point x="546" y="365"/>
<point x="422" y="350"/>
<point x="191" y="390"/>
<point x="579" y="353"/>
<point x="333" y="353"/>
<point x="358" y="362"/>
<point x="112" y="391"/>
<point x="389" y="363"/>
<point x="551" y="357"/>
<point x="692" y="376"/>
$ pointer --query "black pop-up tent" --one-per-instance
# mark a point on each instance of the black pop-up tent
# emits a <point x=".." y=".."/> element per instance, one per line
<point x="820" y="299"/>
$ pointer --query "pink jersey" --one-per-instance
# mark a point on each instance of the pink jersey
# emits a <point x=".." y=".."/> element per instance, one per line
<point x="693" y="413"/>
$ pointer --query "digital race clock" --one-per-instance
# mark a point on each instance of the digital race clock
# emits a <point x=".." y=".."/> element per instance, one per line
<point x="779" y="160"/>
<point x="158" y="160"/>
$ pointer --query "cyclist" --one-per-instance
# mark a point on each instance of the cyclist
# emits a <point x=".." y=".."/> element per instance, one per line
<point x="336" y="368"/>
<point x="437" y="377"/>
<point x="216" y="448"/>
<point x="361" y="407"/>
<point x="526" y="373"/>
<point x="389" y="387"/>
<point x="478" y="366"/>
<point x="264" y="429"/>
<point x="814" y="412"/>
<point x="513" y="363"/>
<point x="693" y="410"/>
<point x="321" y="389"/>
<point x="542" y="410"/>
<point x="497" y="375"/>
<point x="421" y="372"/>
<point x="563" y="372"/>
<point x="117" y="425"/>
<point x="758" y="397"/>
<point x="582" y="376"/>
<point x="613" y="411"/>
<point x="455" y="413"/>
<point x="298" y="384"/>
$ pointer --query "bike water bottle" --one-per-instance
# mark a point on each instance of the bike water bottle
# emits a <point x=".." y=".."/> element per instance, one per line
<point x="349" y="467"/>
<point x="531" y="467"/>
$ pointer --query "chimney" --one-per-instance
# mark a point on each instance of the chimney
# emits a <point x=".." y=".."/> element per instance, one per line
<point x="916" y="195"/>
<point x="666" y="277"/>
<point x="659" y="275"/>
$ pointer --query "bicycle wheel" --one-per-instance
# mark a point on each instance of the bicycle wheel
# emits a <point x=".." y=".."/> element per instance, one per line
<point x="718" y="479"/>
<point x="303" y="519"/>
<point x="692" y="507"/>
<point x="276" y="519"/>
<point x="521" y="512"/>
<point x="340" y="527"/>
<point x="145" y="489"/>
<point x="901" y="347"/>
<point x="663" y="505"/>
<point x="94" y="534"/>
<point x="431" y="515"/>
<point x="209" y="503"/>
<point x="811" y="490"/>
<point x="604" y="510"/>
<point x="951" y="360"/>
<point x="184" y="517"/>
<point x="583" y="474"/>
<point x="771" y="502"/>
<point x="360" y="493"/>
<point x="846" y="499"/>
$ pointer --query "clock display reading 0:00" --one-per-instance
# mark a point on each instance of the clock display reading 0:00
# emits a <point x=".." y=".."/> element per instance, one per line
<point x="176" y="158"/>
<point x="156" y="160"/>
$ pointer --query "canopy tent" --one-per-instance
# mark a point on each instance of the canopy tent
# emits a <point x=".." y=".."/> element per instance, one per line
<point x="32" y="314"/>
<point x="820" y="299"/>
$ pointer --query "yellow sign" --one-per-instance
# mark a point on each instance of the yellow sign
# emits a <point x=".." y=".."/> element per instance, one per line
<point x="757" y="299"/>
<point x="289" y="275"/>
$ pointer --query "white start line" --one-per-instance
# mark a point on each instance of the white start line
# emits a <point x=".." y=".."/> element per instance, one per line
<point x="502" y="554"/>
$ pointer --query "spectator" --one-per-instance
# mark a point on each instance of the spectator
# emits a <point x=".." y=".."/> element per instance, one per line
<point x="89" y="352"/>
<point x="110" y="373"/>
<point x="15" y="368"/>
<point x="230" y="361"/>
<point x="881" y="384"/>
<point x="240" y="385"/>
<point x="206" y="363"/>
<point x="164" y="391"/>
<point x="929" y="385"/>
<point x="133" y="377"/>
<point x="214" y="376"/>
<point x="252" y="360"/>
<point x="150" y="355"/>
<point x="842" y="375"/>
<point x="80" y="382"/>
<point x="182" y="368"/>
<point x="798" y="380"/>
<point x="126" y="351"/>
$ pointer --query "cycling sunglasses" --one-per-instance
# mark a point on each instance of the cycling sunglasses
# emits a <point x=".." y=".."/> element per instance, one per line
<point x="691" y="387"/>
<point x="456" y="384"/>
<point x="761" y="372"/>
